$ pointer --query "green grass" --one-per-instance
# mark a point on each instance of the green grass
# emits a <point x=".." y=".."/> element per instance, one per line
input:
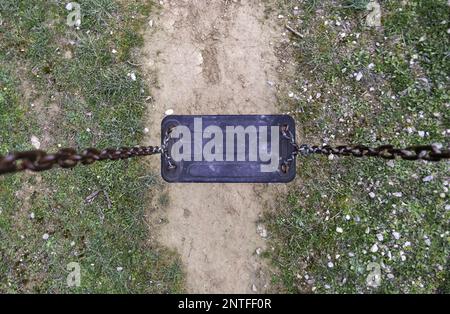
<point x="402" y="92"/>
<point x="82" y="96"/>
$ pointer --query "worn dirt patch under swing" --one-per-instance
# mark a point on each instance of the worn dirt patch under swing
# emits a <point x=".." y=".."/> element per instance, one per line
<point x="212" y="57"/>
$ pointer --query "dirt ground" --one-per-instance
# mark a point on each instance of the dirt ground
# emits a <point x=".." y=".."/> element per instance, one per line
<point x="213" y="57"/>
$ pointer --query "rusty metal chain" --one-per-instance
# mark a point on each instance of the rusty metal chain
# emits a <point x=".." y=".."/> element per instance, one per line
<point x="434" y="152"/>
<point x="39" y="160"/>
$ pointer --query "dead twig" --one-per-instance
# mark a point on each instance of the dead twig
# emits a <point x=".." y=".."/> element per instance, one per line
<point x="108" y="200"/>
<point x="134" y="64"/>
<point x="293" y="31"/>
<point x="91" y="197"/>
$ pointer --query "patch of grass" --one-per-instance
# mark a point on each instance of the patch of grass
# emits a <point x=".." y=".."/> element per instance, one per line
<point x="346" y="213"/>
<point x="356" y="4"/>
<point x="73" y="87"/>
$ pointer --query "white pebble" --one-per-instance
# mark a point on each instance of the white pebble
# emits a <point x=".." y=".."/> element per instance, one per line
<point x="119" y="268"/>
<point x="374" y="248"/>
<point x="359" y="76"/>
<point x="339" y="230"/>
<point x="330" y="264"/>
<point x="396" y="235"/>
<point x="428" y="178"/>
<point x="380" y="237"/>
<point x="35" y="142"/>
<point x="372" y="195"/>
<point x="168" y="112"/>
<point x="45" y="236"/>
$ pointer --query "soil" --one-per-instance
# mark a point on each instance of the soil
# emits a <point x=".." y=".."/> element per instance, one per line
<point x="213" y="57"/>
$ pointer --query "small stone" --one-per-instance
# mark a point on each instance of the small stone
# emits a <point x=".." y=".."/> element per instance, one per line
<point x="168" y="112"/>
<point x="374" y="248"/>
<point x="330" y="157"/>
<point x="114" y="51"/>
<point x="330" y="264"/>
<point x="372" y="195"/>
<point x="421" y="133"/>
<point x="391" y="163"/>
<point x="359" y="76"/>
<point x="69" y="6"/>
<point x="35" y="142"/>
<point x="45" y="236"/>
<point x="133" y="76"/>
<point x="428" y="178"/>
<point x="339" y="230"/>
<point x="428" y="242"/>
<point x="32" y="216"/>
<point x="259" y="251"/>
<point x="390" y="276"/>
<point x="254" y="289"/>
<point x="398" y="194"/>
<point x="380" y="237"/>
<point x="119" y="268"/>
<point x="146" y="130"/>
<point x="347" y="217"/>
<point x="262" y="231"/>
<point x="72" y="243"/>
<point x="396" y="235"/>
<point x="150" y="23"/>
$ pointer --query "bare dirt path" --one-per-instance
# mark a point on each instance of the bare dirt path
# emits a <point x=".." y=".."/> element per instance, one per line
<point x="213" y="57"/>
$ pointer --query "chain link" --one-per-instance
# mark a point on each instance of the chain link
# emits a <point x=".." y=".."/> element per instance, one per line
<point x="434" y="152"/>
<point x="165" y="149"/>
